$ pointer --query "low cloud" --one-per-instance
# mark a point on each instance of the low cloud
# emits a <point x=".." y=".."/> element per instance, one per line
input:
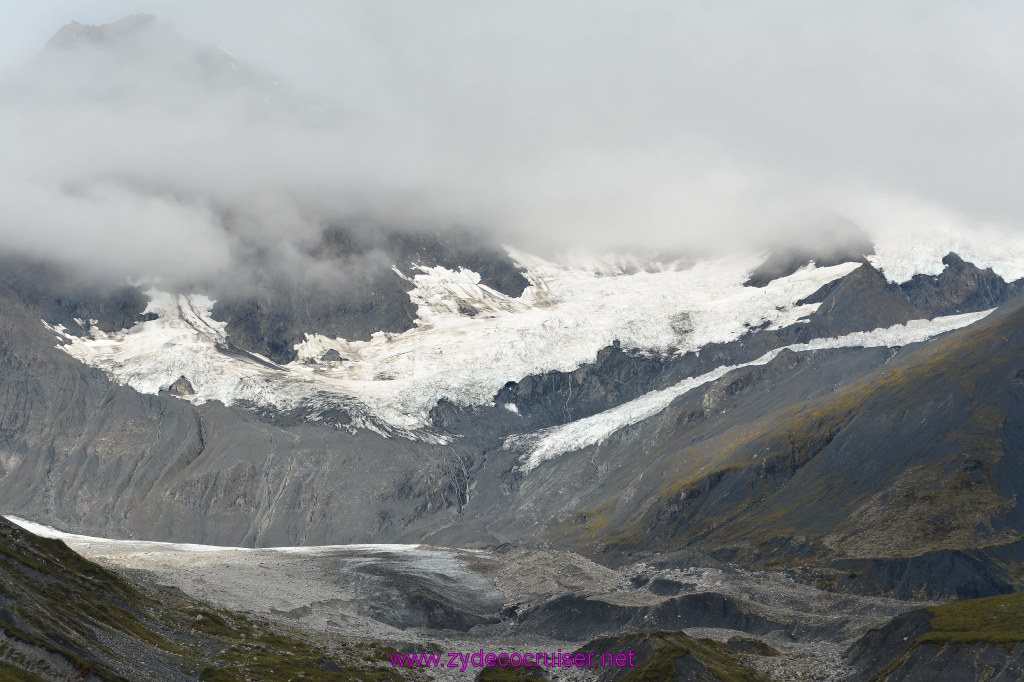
<point x="655" y="125"/>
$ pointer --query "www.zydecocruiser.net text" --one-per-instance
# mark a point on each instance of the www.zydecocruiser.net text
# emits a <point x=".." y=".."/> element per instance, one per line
<point x="515" y="659"/>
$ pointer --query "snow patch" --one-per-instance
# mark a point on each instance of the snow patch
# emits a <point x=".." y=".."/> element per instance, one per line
<point x="901" y="254"/>
<point x="552" y="442"/>
<point x="469" y="340"/>
<point x="153" y="546"/>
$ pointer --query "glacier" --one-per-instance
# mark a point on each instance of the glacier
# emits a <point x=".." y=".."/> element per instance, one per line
<point x="469" y="340"/>
<point x="552" y="442"/>
<point x="391" y="382"/>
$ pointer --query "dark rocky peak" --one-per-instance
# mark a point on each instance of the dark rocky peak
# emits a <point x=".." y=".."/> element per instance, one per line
<point x="830" y="243"/>
<point x="331" y="355"/>
<point x="961" y="287"/>
<point x="864" y="299"/>
<point x="181" y="386"/>
<point x="130" y="31"/>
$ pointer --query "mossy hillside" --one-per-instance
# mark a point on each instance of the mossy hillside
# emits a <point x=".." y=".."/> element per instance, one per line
<point x="13" y="673"/>
<point x="58" y="601"/>
<point x="820" y="502"/>
<point x="800" y="473"/>
<point x="998" y="620"/>
<point x="715" y="657"/>
<point x="664" y="655"/>
<point x="54" y="600"/>
<point x="959" y="633"/>
<point x="269" y="655"/>
<point x="935" y="487"/>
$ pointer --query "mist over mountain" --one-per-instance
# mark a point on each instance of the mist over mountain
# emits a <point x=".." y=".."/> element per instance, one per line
<point x="157" y="142"/>
<point x="681" y="328"/>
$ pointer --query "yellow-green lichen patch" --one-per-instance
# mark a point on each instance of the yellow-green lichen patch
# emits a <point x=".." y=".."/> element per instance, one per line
<point x="998" y="619"/>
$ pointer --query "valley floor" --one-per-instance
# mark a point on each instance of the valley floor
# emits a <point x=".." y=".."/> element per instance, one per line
<point x="419" y="598"/>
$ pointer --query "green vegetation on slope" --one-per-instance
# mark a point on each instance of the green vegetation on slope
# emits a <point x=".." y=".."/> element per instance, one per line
<point x="11" y="672"/>
<point x="896" y="463"/>
<point x="998" y="620"/>
<point x="715" y="657"/>
<point x="61" y="611"/>
<point x="949" y="640"/>
<point x="666" y="656"/>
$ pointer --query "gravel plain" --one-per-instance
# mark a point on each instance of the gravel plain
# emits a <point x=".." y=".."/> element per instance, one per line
<point x="417" y="596"/>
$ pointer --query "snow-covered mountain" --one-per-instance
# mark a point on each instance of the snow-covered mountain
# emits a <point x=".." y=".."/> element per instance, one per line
<point x="585" y="354"/>
<point x="850" y="411"/>
<point x="450" y="370"/>
<point x="470" y="340"/>
<point x="141" y="61"/>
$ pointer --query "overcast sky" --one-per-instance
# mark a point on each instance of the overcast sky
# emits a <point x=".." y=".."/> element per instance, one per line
<point x="661" y="124"/>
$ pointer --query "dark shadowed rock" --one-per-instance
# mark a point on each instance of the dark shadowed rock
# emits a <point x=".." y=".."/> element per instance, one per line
<point x="331" y="356"/>
<point x="864" y="299"/>
<point x="363" y="293"/>
<point x="74" y="300"/>
<point x="579" y="617"/>
<point x="944" y="573"/>
<point x="181" y="386"/>
<point x="879" y="647"/>
<point x="961" y="287"/>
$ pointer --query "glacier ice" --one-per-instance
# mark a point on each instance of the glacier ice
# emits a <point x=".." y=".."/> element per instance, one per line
<point x="549" y="443"/>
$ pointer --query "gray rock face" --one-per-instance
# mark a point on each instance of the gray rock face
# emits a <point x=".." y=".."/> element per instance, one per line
<point x="60" y="296"/>
<point x="839" y="449"/>
<point x="961" y="287"/>
<point x="331" y="356"/>
<point x="82" y="453"/>
<point x="78" y="451"/>
<point x="278" y="315"/>
<point x="896" y="652"/>
<point x="363" y="296"/>
<point x="181" y="386"/>
<point x="856" y="302"/>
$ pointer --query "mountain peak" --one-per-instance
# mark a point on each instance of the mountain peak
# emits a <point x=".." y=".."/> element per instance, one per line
<point x="129" y="29"/>
<point x="143" y="59"/>
<point x="146" y="60"/>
